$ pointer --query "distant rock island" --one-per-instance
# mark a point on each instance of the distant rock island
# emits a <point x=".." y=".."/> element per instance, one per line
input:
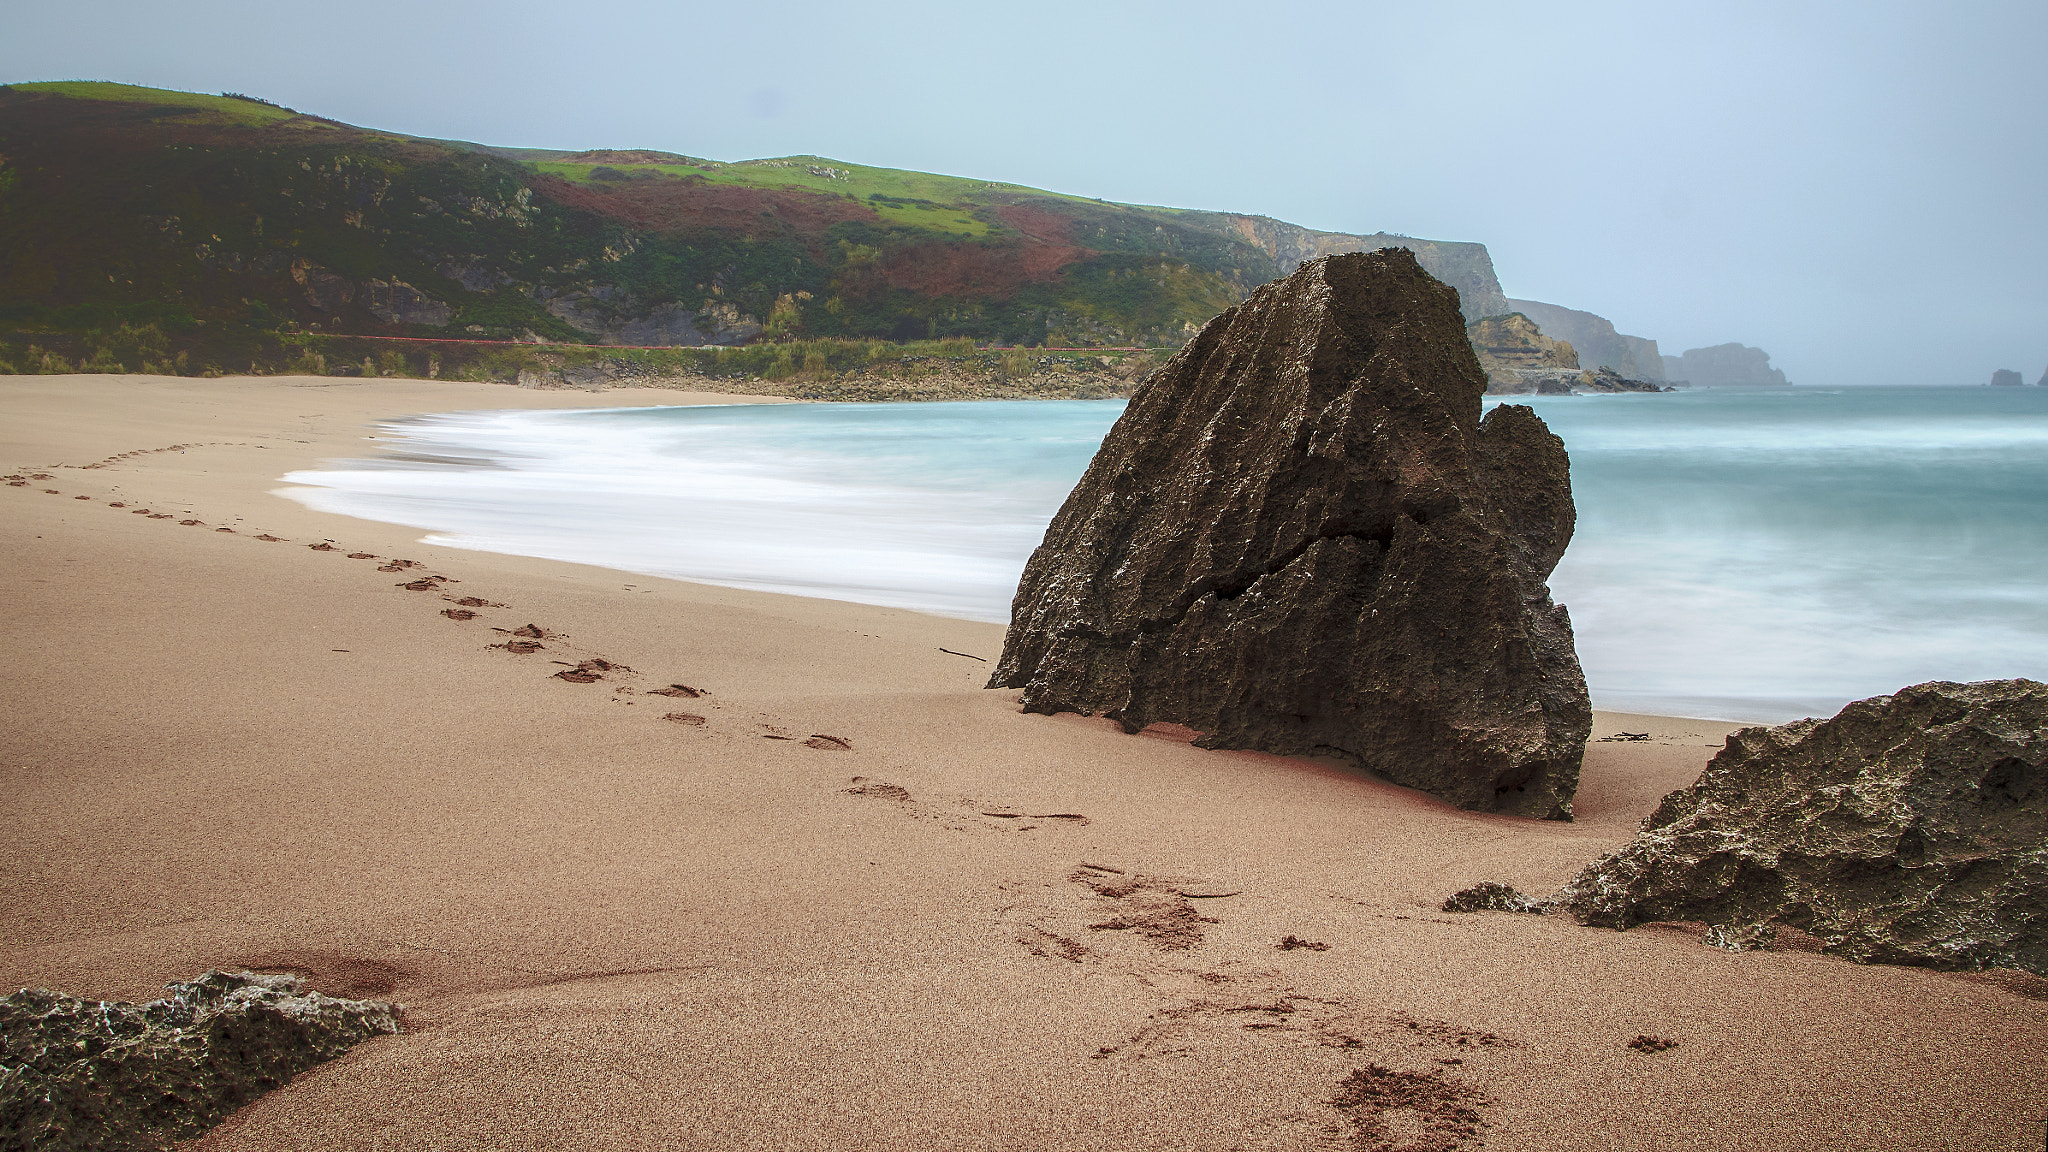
<point x="2006" y="378"/>
<point x="1724" y="366"/>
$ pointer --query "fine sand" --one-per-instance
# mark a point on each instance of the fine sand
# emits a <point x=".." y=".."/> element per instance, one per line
<point x="840" y="897"/>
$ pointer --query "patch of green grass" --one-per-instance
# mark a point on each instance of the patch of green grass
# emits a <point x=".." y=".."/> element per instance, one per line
<point x="231" y="109"/>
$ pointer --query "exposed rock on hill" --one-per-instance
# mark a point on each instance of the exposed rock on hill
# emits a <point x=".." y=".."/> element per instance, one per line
<point x="1598" y="344"/>
<point x="1301" y="537"/>
<point x="1520" y="361"/>
<point x="1723" y="366"/>
<point x="1908" y="829"/>
<point x="2006" y="378"/>
<point x="87" y="1074"/>
<point x="1464" y="266"/>
<point x="1515" y="341"/>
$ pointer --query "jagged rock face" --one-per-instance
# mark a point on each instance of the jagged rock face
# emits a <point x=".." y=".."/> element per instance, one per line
<point x="87" y="1074"/>
<point x="1908" y="829"/>
<point x="1302" y="538"/>
<point x="2006" y="378"/>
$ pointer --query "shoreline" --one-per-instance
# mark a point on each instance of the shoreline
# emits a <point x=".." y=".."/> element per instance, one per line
<point x="842" y="901"/>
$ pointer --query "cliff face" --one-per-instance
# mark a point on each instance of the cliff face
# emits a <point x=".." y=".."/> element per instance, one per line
<point x="1724" y="366"/>
<point x="1599" y="345"/>
<point x="1510" y="342"/>
<point x="1468" y="267"/>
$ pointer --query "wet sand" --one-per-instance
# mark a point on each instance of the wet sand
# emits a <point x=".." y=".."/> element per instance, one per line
<point x="828" y="892"/>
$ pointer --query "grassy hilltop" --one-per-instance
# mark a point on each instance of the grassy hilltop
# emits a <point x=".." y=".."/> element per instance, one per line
<point x="183" y="232"/>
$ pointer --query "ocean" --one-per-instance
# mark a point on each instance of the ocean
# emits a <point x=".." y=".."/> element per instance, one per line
<point x="1753" y="555"/>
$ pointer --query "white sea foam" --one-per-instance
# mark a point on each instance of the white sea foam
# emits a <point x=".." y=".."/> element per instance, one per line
<point x="1749" y="555"/>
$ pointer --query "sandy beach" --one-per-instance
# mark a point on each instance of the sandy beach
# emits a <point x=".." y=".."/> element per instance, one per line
<point x="828" y="892"/>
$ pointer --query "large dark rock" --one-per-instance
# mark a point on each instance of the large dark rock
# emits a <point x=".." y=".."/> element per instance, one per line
<point x="1302" y="538"/>
<point x="1908" y="829"/>
<point x="88" y="1074"/>
<point x="2006" y="378"/>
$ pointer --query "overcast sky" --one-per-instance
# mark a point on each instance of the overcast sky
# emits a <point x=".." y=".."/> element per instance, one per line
<point x="1857" y="188"/>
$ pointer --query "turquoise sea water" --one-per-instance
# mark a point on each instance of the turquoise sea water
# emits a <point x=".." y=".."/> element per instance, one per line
<point x="1754" y="555"/>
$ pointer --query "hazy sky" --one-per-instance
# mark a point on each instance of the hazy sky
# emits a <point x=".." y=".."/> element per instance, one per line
<point x="1857" y="188"/>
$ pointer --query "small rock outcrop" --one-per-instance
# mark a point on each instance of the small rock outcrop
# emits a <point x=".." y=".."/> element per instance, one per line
<point x="89" y="1074"/>
<point x="1302" y="538"/>
<point x="1908" y="829"/>
<point x="396" y="302"/>
<point x="2006" y="378"/>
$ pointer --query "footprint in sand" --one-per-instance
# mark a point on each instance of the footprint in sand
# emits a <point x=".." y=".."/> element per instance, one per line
<point x="688" y="718"/>
<point x="425" y="584"/>
<point x="862" y="786"/>
<point x="680" y="691"/>
<point x="272" y="539"/>
<point x="826" y="743"/>
<point x="190" y="523"/>
<point x="223" y="529"/>
<point x="81" y="497"/>
<point x="362" y="556"/>
<point x="479" y="602"/>
<point x="323" y="546"/>
<point x="458" y="613"/>
<point x="589" y="671"/>
<point x="519" y="647"/>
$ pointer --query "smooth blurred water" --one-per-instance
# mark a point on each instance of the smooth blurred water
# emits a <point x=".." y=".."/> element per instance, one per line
<point x="1753" y="555"/>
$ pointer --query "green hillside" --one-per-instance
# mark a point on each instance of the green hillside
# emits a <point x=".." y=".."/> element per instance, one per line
<point x="229" y="228"/>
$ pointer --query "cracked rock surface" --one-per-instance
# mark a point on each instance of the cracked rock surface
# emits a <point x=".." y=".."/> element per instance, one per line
<point x="1908" y="829"/>
<point x="1302" y="538"/>
<point x="91" y="1074"/>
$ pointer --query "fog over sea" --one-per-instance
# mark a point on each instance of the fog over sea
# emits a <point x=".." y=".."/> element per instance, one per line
<point x="1741" y="554"/>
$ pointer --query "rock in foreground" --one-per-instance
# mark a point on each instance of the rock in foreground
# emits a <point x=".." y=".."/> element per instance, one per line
<point x="1302" y="538"/>
<point x="1908" y="829"/>
<point x="87" y="1074"/>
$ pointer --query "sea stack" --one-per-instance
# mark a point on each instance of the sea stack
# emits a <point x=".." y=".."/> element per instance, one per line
<point x="1302" y="538"/>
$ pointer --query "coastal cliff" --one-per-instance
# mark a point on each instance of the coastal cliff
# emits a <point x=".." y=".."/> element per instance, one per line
<point x="1520" y="360"/>
<point x="1598" y="344"/>
<point x="229" y="234"/>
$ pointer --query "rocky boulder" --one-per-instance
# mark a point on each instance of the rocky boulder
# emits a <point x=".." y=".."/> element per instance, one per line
<point x="2006" y="378"/>
<point x="1302" y="538"/>
<point x="1908" y="829"/>
<point x="88" y="1074"/>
